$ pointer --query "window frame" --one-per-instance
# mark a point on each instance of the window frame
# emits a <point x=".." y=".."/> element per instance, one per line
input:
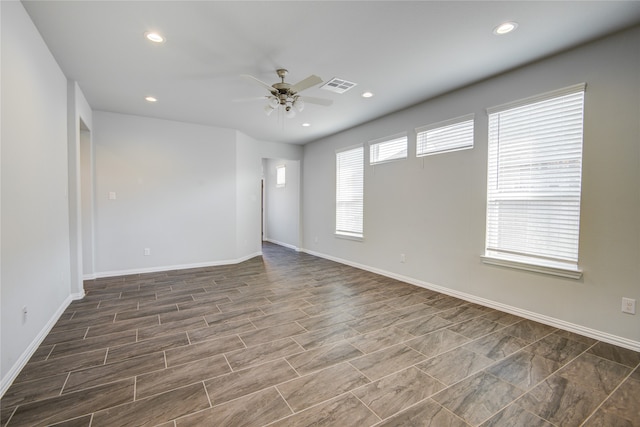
<point x="539" y="263"/>
<point x="403" y="136"/>
<point x="352" y="234"/>
<point x="441" y="126"/>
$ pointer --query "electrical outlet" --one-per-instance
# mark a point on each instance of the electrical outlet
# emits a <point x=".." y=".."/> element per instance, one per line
<point x="629" y="305"/>
<point x="147" y="251"/>
<point x="403" y="259"/>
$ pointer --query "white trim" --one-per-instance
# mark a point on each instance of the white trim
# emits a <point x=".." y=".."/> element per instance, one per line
<point x="11" y="375"/>
<point x="580" y="87"/>
<point x="158" y="269"/>
<point x="555" y="271"/>
<point x="351" y="147"/>
<point x="398" y="135"/>
<point x="547" y="320"/>
<point x="448" y="122"/>
<point x="279" y="243"/>
<point x="78" y="296"/>
<point x="349" y="236"/>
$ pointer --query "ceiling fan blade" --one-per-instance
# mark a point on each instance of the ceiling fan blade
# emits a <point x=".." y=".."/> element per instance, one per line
<point x="260" y="82"/>
<point x="317" y="101"/>
<point x="312" y="80"/>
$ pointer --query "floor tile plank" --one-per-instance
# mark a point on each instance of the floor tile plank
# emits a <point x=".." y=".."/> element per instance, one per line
<point x="156" y="409"/>
<point x="254" y="410"/>
<point x="319" y="386"/>
<point x="288" y="338"/>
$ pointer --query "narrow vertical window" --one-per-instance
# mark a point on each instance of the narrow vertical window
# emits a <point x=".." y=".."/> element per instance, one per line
<point x="281" y="178"/>
<point x="534" y="182"/>
<point x="349" y="192"/>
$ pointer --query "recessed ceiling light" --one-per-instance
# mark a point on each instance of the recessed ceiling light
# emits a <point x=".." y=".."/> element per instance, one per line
<point x="367" y="94"/>
<point x="154" y="37"/>
<point x="306" y="125"/>
<point x="505" y="28"/>
<point x="151" y="98"/>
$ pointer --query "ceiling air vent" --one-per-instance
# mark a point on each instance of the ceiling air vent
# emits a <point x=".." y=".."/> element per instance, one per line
<point x="338" y="85"/>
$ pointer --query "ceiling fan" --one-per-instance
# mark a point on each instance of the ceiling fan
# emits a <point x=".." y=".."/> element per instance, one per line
<point x="287" y="96"/>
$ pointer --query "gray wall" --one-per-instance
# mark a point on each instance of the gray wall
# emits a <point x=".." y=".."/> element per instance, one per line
<point x="175" y="193"/>
<point x="35" y="213"/>
<point x="250" y="155"/>
<point x="282" y="204"/>
<point x="433" y="209"/>
<point x="189" y="193"/>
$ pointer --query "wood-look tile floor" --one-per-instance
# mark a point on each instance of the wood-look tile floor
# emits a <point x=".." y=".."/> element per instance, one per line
<point x="289" y="339"/>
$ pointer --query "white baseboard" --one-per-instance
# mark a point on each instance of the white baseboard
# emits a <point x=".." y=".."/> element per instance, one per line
<point x="11" y="375"/>
<point x="547" y="320"/>
<point x="286" y="245"/>
<point x="78" y="295"/>
<point x="158" y="269"/>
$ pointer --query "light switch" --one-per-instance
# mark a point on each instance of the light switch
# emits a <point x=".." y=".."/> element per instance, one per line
<point x="112" y="195"/>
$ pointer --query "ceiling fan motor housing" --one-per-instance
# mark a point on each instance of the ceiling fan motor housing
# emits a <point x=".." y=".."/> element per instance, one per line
<point x="287" y="95"/>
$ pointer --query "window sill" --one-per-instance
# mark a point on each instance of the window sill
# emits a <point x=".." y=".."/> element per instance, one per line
<point x="355" y="237"/>
<point x="566" y="272"/>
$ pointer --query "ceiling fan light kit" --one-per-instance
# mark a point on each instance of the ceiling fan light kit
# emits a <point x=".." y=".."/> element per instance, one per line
<point x="287" y="96"/>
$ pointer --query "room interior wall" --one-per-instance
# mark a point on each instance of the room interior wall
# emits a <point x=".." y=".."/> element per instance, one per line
<point x="165" y="186"/>
<point x="432" y="209"/>
<point x="188" y="193"/>
<point x="79" y="123"/>
<point x="250" y="154"/>
<point x="282" y="204"/>
<point x="35" y="208"/>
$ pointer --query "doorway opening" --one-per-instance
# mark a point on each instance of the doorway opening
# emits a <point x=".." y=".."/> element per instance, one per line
<point x="281" y="202"/>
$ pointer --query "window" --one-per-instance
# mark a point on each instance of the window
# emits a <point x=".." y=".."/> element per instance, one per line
<point x="387" y="149"/>
<point x="451" y="135"/>
<point x="349" y="192"/>
<point x="280" y="176"/>
<point x="534" y="182"/>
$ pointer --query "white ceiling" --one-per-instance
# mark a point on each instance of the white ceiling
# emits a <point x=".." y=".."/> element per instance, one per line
<point x="403" y="51"/>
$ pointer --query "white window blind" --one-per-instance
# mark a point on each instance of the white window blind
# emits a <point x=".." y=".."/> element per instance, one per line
<point x="534" y="180"/>
<point x="391" y="148"/>
<point x="349" y="192"/>
<point x="281" y="177"/>
<point x="451" y="135"/>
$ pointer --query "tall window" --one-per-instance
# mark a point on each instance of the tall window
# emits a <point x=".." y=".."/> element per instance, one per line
<point x="534" y="182"/>
<point x="349" y="192"/>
